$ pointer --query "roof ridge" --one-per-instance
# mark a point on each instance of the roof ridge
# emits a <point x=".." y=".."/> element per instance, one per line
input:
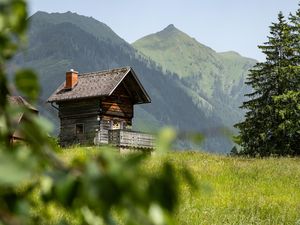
<point x="97" y="84"/>
<point x="20" y="100"/>
<point x="103" y="71"/>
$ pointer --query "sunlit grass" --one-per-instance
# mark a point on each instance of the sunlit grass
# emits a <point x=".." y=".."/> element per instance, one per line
<point x="240" y="191"/>
<point x="231" y="190"/>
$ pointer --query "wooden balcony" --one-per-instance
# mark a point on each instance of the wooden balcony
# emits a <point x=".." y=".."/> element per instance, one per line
<point x="126" y="139"/>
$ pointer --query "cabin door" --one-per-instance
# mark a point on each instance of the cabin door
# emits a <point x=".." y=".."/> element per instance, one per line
<point x="79" y="130"/>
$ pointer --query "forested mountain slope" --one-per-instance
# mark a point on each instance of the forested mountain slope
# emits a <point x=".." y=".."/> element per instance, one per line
<point x="59" y="42"/>
<point x="217" y="77"/>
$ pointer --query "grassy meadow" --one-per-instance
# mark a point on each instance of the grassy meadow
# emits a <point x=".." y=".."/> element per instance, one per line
<point x="231" y="190"/>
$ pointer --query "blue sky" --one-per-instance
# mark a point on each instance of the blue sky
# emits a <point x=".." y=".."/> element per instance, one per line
<point x="223" y="25"/>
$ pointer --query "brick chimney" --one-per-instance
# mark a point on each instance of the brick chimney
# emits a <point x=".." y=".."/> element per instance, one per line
<point x="71" y="79"/>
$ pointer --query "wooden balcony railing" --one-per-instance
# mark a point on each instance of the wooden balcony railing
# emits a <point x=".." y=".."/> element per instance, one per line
<point x="126" y="139"/>
<point x="131" y="139"/>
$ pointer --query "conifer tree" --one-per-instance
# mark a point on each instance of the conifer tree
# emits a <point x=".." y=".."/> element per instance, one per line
<point x="295" y="29"/>
<point x="264" y="131"/>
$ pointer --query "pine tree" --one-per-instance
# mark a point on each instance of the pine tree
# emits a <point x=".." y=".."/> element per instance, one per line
<point x="263" y="132"/>
<point x="295" y="29"/>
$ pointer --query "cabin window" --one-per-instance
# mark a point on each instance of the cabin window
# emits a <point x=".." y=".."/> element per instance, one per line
<point x="115" y="124"/>
<point x="79" y="128"/>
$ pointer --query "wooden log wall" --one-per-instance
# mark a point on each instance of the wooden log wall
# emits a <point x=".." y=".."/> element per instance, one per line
<point x="78" y="112"/>
<point x="119" y="104"/>
<point x="118" y="107"/>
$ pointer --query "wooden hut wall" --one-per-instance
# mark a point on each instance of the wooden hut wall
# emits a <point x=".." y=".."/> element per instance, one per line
<point x="78" y="112"/>
<point x="118" y="105"/>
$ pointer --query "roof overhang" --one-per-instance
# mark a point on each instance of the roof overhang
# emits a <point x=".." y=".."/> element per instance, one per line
<point x="134" y="86"/>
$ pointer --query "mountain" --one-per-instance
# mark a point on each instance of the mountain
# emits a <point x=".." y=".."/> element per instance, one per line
<point x="217" y="78"/>
<point x="99" y="30"/>
<point x="60" y="41"/>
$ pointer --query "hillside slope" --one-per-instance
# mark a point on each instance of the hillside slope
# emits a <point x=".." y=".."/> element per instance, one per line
<point x="58" y="42"/>
<point x="217" y="77"/>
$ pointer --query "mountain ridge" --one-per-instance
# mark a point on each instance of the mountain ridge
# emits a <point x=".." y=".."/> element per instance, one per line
<point x="216" y="77"/>
<point x="174" y="40"/>
<point x="89" y="24"/>
<point x="60" y="41"/>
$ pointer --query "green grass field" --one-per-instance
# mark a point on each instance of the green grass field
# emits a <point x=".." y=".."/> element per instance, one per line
<point x="232" y="190"/>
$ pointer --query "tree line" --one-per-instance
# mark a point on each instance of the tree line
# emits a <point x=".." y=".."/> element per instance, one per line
<point x="272" y="121"/>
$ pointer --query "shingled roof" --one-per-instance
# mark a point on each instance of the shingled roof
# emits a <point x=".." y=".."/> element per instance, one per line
<point x="100" y="84"/>
<point x="17" y="117"/>
<point x="19" y="101"/>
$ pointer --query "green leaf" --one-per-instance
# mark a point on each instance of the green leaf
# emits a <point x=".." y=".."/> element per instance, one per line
<point x="26" y="81"/>
<point x="165" y="138"/>
<point x="196" y="138"/>
<point x="12" y="172"/>
<point x="19" y="16"/>
<point x="90" y="218"/>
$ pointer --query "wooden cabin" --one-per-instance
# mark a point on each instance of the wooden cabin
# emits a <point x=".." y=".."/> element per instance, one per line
<point x="98" y="107"/>
<point x="19" y="117"/>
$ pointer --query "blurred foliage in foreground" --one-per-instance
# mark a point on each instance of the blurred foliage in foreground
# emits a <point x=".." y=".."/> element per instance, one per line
<point x="87" y="188"/>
